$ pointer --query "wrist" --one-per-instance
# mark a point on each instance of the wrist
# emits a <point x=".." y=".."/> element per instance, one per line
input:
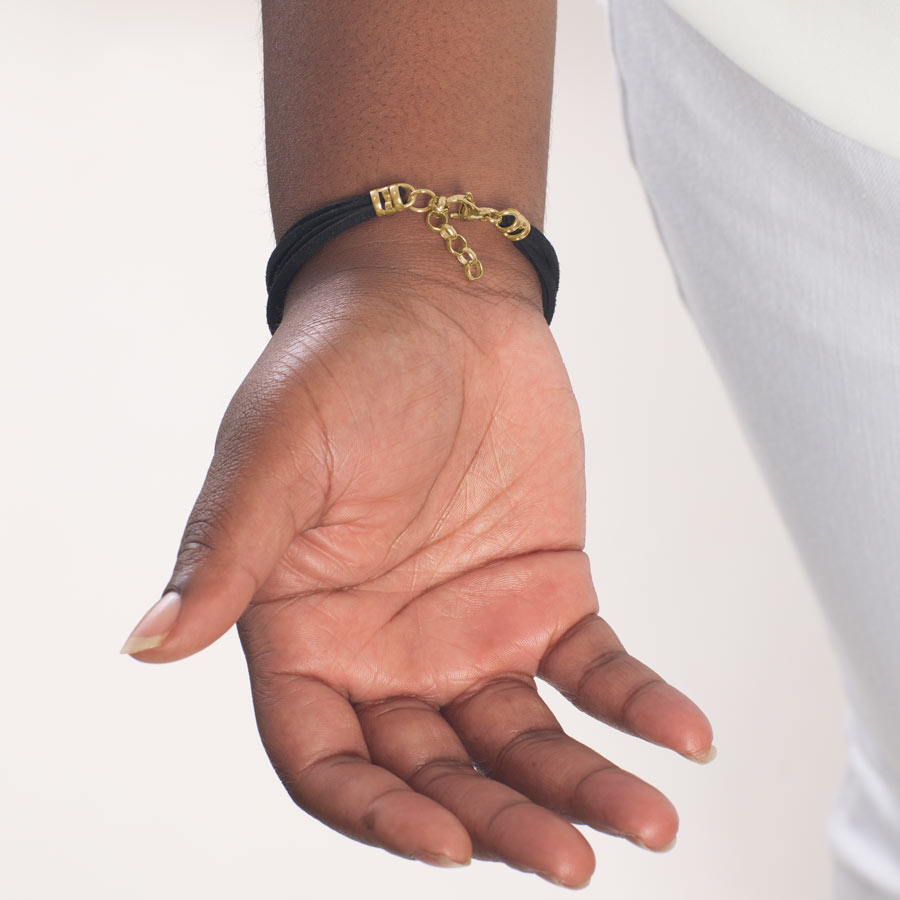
<point x="398" y="256"/>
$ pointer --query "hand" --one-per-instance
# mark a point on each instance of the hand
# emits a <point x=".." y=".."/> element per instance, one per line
<point x="395" y="514"/>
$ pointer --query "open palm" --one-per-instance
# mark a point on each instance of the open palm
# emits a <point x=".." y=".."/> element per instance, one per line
<point x="398" y="492"/>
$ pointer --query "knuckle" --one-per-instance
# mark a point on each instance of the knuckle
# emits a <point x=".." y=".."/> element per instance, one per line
<point x="606" y="668"/>
<point x="203" y="535"/>
<point x="636" y="691"/>
<point x="523" y="744"/>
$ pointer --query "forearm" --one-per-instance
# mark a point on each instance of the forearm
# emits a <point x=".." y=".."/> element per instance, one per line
<point x="450" y="96"/>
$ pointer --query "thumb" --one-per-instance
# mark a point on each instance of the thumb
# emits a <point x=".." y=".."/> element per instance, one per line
<point x="238" y="530"/>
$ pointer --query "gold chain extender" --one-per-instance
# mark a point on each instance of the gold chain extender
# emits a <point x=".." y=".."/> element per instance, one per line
<point x="439" y="210"/>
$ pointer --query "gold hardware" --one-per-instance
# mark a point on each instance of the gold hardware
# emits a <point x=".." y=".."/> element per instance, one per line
<point x="438" y="210"/>
<point x="387" y="200"/>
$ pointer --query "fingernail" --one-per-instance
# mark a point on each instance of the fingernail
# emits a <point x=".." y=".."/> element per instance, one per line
<point x="436" y="859"/>
<point x="639" y="843"/>
<point x="554" y="880"/>
<point x="707" y="757"/>
<point x="154" y="628"/>
<point x="668" y="846"/>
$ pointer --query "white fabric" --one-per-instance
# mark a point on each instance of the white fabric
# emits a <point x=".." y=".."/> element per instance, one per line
<point x="838" y="60"/>
<point x="784" y="237"/>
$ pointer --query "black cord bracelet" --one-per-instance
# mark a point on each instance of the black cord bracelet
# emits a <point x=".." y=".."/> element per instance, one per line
<point x="314" y="230"/>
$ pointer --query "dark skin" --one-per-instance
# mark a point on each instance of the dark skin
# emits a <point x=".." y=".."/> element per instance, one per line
<point x="394" y="515"/>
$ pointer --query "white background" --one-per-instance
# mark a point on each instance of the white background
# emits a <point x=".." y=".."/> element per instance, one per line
<point x="134" y="234"/>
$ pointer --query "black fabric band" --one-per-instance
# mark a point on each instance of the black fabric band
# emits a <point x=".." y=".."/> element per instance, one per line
<point x="313" y="231"/>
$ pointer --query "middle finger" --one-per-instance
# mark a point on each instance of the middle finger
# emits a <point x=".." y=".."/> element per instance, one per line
<point x="411" y="739"/>
<point x="513" y="736"/>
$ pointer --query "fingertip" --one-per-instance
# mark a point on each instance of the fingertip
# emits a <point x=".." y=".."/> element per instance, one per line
<point x="575" y="866"/>
<point x="664" y="848"/>
<point x="155" y="626"/>
<point x="667" y="717"/>
<point x="416" y="826"/>
<point x="554" y="880"/>
<point x="696" y="742"/>
<point x="192" y="616"/>
<point x="703" y="757"/>
<point x="642" y="814"/>
<point x="441" y="861"/>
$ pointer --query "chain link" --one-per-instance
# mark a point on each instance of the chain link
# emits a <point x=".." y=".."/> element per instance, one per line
<point x="439" y="210"/>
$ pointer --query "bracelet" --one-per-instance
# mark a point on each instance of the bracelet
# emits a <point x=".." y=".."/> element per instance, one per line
<point x="310" y="233"/>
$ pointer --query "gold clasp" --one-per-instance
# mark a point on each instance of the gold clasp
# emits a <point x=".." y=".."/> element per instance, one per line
<point x="438" y="211"/>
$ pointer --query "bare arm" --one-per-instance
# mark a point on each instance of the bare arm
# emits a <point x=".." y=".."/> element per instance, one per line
<point x="450" y="96"/>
